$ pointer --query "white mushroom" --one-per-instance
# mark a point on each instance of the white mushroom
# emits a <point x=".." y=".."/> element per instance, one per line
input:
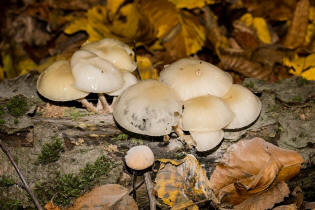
<point x="57" y="83"/>
<point x="204" y="117"/>
<point x="96" y="75"/>
<point x="139" y="157"/>
<point x="114" y="51"/>
<point x="148" y="107"/>
<point x="244" y="104"/>
<point x="192" y="78"/>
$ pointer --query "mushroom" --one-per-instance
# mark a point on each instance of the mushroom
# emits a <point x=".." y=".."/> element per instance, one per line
<point x="204" y="117"/>
<point x="57" y="84"/>
<point x="96" y="75"/>
<point x="140" y="158"/>
<point x="114" y="51"/>
<point x="244" y="104"/>
<point x="192" y="78"/>
<point x="148" y="107"/>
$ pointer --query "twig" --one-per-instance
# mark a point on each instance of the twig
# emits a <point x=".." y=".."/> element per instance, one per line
<point x="148" y="182"/>
<point x="27" y="188"/>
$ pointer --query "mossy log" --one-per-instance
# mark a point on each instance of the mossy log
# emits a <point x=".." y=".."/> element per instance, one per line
<point x="287" y="120"/>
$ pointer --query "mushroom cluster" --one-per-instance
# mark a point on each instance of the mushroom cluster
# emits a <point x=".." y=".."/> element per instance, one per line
<point x="100" y="67"/>
<point x="191" y="95"/>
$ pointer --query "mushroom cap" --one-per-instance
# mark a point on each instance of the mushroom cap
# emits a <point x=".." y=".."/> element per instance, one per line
<point x="148" y="107"/>
<point x="57" y="83"/>
<point x="207" y="140"/>
<point x="129" y="79"/>
<point x="244" y="104"/>
<point x="114" y="51"/>
<point x="139" y="157"/>
<point x="192" y="78"/>
<point x="94" y="74"/>
<point x="206" y="113"/>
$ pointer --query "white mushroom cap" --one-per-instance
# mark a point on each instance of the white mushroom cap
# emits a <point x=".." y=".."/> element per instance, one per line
<point x="114" y="51"/>
<point x="206" y="113"/>
<point x="148" y="107"/>
<point x="244" y="104"/>
<point x="207" y="140"/>
<point x="94" y="74"/>
<point x="139" y="157"/>
<point x="80" y="55"/>
<point x="57" y="83"/>
<point x="129" y="79"/>
<point x="192" y="78"/>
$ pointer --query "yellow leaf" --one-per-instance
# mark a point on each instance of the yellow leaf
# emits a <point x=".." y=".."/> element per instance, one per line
<point x="113" y="6"/>
<point x="259" y="25"/>
<point x="26" y="65"/>
<point x="302" y="66"/>
<point x="261" y="28"/>
<point x="1" y="73"/>
<point x="179" y="184"/>
<point x="146" y="69"/>
<point x="188" y="4"/>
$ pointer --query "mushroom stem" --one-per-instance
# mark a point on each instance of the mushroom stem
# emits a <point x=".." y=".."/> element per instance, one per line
<point x="89" y="106"/>
<point x="148" y="182"/>
<point x="179" y="131"/>
<point x="104" y="102"/>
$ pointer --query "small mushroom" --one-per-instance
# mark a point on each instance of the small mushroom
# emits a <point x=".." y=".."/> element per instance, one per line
<point x="96" y="75"/>
<point x="114" y="51"/>
<point x="148" y="107"/>
<point x="204" y="117"/>
<point x="244" y="104"/>
<point x="57" y="84"/>
<point x="140" y="158"/>
<point x="192" y="78"/>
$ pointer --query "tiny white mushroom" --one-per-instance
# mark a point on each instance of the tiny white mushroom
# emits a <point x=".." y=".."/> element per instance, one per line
<point x="192" y="78"/>
<point x="57" y="84"/>
<point x="148" y="107"/>
<point x="244" y="104"/>
<point x="204" y="117"/>
<point x="139" y="157"/>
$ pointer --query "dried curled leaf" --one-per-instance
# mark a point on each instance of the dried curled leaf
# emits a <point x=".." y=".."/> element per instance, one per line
<point x="146" y="69"/>
<point x="109" y="196"/>
<point x="188" y="4"/>
<point x="251" y="167"/>
<point x="302" y="66"/>
<point x="267" y="199"/>
<point x="181" y="183"/>
<point x="298" y="28"/>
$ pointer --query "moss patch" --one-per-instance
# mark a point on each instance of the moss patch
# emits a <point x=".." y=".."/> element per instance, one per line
<point x="50" y="152"/>
<point x="75" y="114"/>
<point x="6" y="181"/>
<point x="10" y="204"/>
<point x="17" y="106"/>
<point x="65" y="188"/>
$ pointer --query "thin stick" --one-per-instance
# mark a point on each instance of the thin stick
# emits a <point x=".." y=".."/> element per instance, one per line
<point x="149" y="184"/>
<point x="27" y="188"/>
<point x="135" y="51"/>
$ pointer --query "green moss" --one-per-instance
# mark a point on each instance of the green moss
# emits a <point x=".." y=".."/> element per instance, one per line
<point x="250" y="84"/>
<point x="15" y="121"/>
<point x="1" y="109"/>
<point x="17" y="106"/>
<point x="50" y="152"/>
<point x="121" y="137"/>
<point x="297" y="99"/>
<point x="75" y="114"/>
<point x="2" y="121"/>
<point x="65" y="188"/>
<point x="10" y="204"/>
<point x="6" y="181"/>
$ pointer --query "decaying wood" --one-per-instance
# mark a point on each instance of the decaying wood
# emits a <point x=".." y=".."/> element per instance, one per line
<point x="287" y="120"/>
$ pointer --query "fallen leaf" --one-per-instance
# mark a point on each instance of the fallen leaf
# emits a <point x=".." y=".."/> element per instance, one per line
<point x="188" y="4"/>
<point x="286" y="207"/>
<point x="302" y="66"/>
<point x="109" y="196"/>
<point x="146" y="69"/>
<point x="298" y="27"/>
<point x="180" y="182"/>
<point x="250" y="167"/>
<point x="51" y="206"/>
<point x="265" y="199"/>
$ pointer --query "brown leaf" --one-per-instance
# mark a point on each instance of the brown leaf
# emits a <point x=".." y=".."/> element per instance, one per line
<point x="109" y="196"/>
<point x="251" y="167"/>
<point x="286" y="207"/>
<point x="51" y="206"/>
<point x="265" y="200"/>
<point x="298" y="28"/>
